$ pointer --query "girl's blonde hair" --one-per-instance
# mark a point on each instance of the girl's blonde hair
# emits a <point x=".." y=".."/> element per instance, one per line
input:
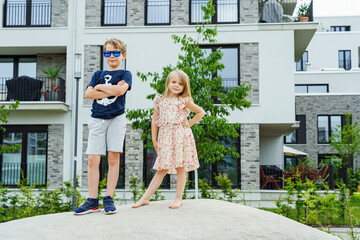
<point x="184" y="78"/>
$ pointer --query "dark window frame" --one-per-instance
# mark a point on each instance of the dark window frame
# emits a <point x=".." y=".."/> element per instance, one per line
<point x="28" y="16"/>
<point x="343" y="122"/>
<point x="345" y="66"/>
<point x="103" y="15"/>
<point x="16" y="60"/>
<point x="301" y="62"/>
<point x="120" y="185"/>
<point x="300" y="132"/>
<point x="213" y="48"/>
<point x="311" y="85"/>
<point x="25" y="129"/>
<point x="339" y="28"/>
<point x="214" y="169"/>
<point x="214" y="17"/>
<point x="156" y="24"/>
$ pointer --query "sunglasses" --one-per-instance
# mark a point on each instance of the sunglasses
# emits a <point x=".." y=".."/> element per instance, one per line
<point x="115" y="53"/>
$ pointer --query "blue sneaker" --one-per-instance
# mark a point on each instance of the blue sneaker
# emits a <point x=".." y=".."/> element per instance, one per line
<point x="109" y="206"/>
<point x="91" y="205"/>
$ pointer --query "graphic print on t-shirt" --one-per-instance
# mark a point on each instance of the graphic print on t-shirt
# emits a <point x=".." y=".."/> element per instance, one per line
<point x="107" y="101"/>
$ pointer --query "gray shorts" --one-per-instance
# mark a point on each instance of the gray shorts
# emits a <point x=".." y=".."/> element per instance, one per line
<point x="106" y="134"/>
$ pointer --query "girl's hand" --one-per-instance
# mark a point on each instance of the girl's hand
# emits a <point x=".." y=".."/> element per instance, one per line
<point x="155" y="146"/>
<point x="185" y="124"/>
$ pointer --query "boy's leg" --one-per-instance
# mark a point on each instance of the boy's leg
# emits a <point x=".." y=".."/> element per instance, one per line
<point x="113" y="173"/>
<point x="181" y="181"/>
<point x="154" y="184"/>
<point x="93" y="175"/>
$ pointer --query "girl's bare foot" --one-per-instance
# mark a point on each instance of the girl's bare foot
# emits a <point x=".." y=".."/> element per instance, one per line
<point x="176" y="204"/>
<point x="140" y="203"/>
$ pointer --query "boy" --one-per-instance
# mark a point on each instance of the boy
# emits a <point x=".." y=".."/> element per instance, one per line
<point x="107" y="125"/>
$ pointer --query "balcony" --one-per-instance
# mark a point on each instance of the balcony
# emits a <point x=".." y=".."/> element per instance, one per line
<point x="27" y="13"/>
<point x="288" y="7"/>
<point x="34" y="94"/>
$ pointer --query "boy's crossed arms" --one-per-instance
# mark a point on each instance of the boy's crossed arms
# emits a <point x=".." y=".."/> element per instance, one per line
<point x="106" y="90"/>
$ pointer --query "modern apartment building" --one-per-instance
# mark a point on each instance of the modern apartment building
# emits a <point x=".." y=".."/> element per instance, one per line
<point x="36" y="34"/>
<point x="327" y="86"/>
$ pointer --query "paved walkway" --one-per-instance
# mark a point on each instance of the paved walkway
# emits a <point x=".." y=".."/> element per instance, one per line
<point x="196" y="219"/>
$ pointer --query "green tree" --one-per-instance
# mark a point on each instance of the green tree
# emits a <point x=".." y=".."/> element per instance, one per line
<point x="5" y="111"/>
<point x="347" y="141"/>
<point x="206" y="90"/>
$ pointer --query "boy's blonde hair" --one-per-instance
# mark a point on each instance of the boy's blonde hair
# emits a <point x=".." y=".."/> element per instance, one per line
<point x="184" y="78"/>
<point x="118" y="44"/>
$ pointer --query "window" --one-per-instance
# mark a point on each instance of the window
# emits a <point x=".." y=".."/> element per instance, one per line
<point x="104" y="64"/>
<point x="226" y="11"/>
<point x="311" y="88"/>
<point x="301" y="65"/>
<point x="328" y="125"/>
<point x="299" y="135"/>
<point x="113" y="13"/>
<point x="104" y="168"/>
<point x="27" y="13"/>
<point x="31" y="160"/>
<point x="345" y="59"/>
<point x="230" y="75"/>
<point x="157" y="12"/>
<point x="339" y="28"/>
<point x="228" y="166"/>
<point x="149" y="172"/>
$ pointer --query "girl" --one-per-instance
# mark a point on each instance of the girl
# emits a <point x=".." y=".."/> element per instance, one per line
<point x="172" y="137"/>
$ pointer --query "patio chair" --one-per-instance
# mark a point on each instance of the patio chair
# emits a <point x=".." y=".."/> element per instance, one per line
<point x="24" y="88"/>
<point x="267" y="179"/>
<point x="323" y="171"/>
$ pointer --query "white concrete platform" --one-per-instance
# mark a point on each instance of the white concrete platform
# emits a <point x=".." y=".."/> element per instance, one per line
<point x="196" y="219"/>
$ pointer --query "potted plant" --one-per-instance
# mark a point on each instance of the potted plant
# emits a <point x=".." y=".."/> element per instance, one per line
<point x="303" y="15"/>
<point x="53" y="74"/>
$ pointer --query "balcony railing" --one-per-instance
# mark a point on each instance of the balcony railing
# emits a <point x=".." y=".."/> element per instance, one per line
<point x="226" y="11"/>
<point x="113" y="13"/>
<point x="345" y="64"/>
<point x="34" y="172"/>
<point x="27" y="14"/>
<point x="29" y="89"/>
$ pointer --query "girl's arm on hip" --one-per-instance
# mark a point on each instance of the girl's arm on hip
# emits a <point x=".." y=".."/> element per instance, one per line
<point x="199" y="112"/>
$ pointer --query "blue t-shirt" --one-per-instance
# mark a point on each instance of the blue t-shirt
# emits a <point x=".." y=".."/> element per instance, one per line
<point x="110" y="107"/>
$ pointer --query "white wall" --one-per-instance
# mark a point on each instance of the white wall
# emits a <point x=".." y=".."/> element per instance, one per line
<point x="326" y="22"/>
<point x="271" y="151"/>
<point x="339" y="82"/>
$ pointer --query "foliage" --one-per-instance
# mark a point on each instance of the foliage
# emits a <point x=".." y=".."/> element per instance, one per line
<point x="206" y="91"/>
<point x="5" y="112"/>
<point x="226" y="188"/>
<point x="52" y="73"/>
<point x="206" y="192"/>
<point x="303" y="10"/>
<point x="30" y="201"/>
<point x="134" y="181"/>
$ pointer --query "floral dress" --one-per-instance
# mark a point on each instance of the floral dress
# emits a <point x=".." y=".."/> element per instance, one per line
<point x="176" y="144"/>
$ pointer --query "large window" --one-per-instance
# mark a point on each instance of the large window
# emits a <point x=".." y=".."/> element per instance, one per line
<point x="157" y="12"/>
<point x="345" y="59"/>
<point x="226" y="11"/>
<point x="149" y="172"/>
<point x="299" y="135"/>
<point x="31" y="160"/>
<point x="301" y="65"/>
<point x="227" y="166"/>
<point x="104" y="168"/>
<point x="328" y="125"/>
<point x="311" y="88"/>
<point x="230" y="75"/>
<point x="339" y="28"/>
<point x="27" y="13"/>
<point x="113" y="12"/>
